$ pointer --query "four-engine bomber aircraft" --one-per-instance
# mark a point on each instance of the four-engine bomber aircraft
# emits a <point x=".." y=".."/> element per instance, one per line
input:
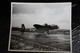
<point x="39" y="28"/>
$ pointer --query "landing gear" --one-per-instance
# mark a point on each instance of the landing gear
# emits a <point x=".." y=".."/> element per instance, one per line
<point x="46" y="32"/>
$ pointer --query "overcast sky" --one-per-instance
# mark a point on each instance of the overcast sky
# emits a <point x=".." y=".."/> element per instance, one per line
<point x="40" y="13"/>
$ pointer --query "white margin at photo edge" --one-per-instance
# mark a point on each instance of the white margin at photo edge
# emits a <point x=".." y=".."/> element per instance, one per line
<point x="36" y="51"/>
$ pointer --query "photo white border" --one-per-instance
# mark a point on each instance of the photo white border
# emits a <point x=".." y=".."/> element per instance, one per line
<point x="39" y="51"/>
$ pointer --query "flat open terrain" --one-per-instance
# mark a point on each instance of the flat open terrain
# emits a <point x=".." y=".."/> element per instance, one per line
<point x="39" y="41"/>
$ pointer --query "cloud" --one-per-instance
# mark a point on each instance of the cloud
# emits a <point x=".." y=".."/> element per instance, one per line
<point x="29" y="14"/>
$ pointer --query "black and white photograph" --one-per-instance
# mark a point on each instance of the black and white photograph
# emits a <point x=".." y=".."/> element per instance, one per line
<point x="40" y="27"/>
